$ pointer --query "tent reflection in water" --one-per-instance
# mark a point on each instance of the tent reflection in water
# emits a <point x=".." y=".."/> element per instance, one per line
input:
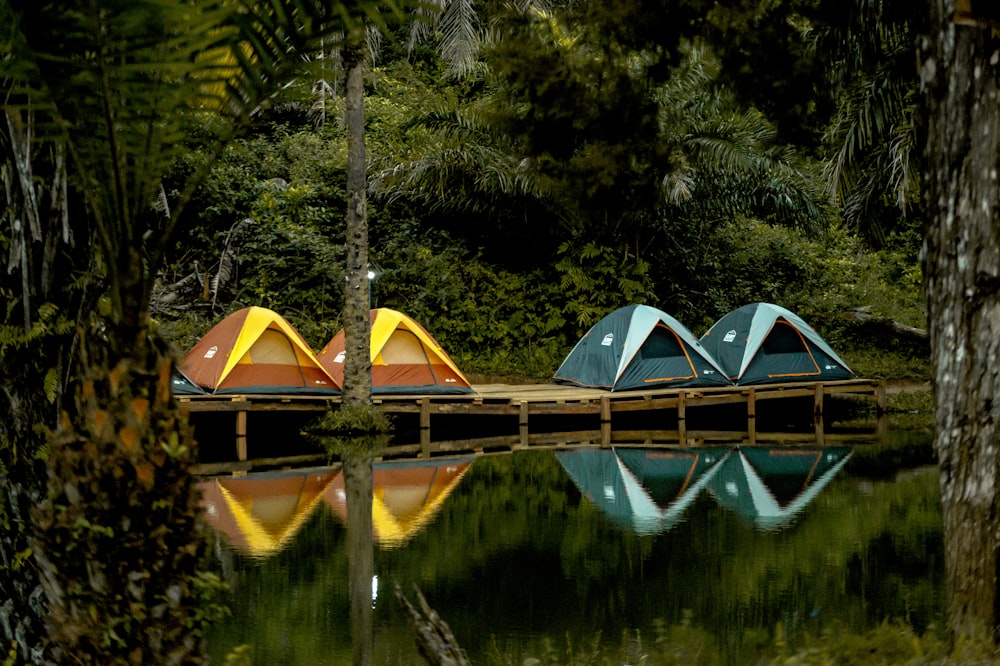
<point x="645" y="490"/>
<point x="772" y="485"/>
<point x="261" y="513"/>
<point x="637" y="347"/>
<point x="407" y="495"/>
<point x="254" y="350"/>
<point x="405" y="358"/>
<point x="765" y="343"/>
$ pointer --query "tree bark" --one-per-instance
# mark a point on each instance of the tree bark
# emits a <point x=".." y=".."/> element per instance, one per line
<point x="357" y="325"/>
<point x="358" y="484"/>
<point x="960" y="134"/>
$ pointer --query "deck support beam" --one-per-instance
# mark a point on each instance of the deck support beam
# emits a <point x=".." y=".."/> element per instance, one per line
<point x="880" y="399"/>
<point x="241" y="435"/>
<point x="818" y="400"/>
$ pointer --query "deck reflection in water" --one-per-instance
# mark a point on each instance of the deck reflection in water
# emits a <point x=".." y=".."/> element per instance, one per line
<point x="645" y="490"/>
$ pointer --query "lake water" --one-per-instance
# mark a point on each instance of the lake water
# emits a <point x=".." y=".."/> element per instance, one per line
<point x="731" y="554"/>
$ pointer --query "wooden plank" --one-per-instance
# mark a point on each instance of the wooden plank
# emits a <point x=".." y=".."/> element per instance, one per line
<point x="818" y="400"/>
<point x="216" y="406"/>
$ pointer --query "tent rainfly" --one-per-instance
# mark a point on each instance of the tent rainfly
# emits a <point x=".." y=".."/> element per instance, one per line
<point x="405" y="358"/>
<point x="254" y="350"/>
<point x="636" y="347"/>
<point x="763" y="343"/>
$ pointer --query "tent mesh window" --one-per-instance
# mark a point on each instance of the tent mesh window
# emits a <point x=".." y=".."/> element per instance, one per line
<point x="783" y="339"/>
<point x="661" y="343"/>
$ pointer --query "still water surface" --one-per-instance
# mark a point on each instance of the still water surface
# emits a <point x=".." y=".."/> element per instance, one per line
<point x="725" y="550"/>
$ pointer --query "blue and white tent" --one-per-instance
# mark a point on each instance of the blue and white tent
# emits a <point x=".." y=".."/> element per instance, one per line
<point x="763" y="343"/>
<point x="637" y="347"/>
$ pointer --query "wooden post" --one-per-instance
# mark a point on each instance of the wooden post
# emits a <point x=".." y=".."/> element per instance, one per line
<point x="880" y="398"/>
<point x="682" y="433"/>
<point x="752" y="415"/>
<point x="681" y="408"/>
<point x="820" y="431"/>
<point x="606" y="435"/>
<point x="523" y="432"/>
<point x="241" y="435"/>
<point x="605" y="409"/>
<point x="818" y="400"/>
<point x="425" y="443"/>
<point x="522" y="418"/>
<point x="425" y="413"/>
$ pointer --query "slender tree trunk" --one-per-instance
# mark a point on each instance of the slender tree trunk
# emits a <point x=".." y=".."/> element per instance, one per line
<point x="960" y="75"/>
<point x="358" y="483"/>
<point x="357" y="390"/>
<point x="357" y="325"/>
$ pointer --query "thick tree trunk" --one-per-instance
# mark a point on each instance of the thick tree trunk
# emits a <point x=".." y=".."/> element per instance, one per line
<point x="357" y="326"/>
<point x="120" y="542"/>
<point x="960" y="73"/>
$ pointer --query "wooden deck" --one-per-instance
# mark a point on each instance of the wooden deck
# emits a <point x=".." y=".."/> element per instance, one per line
<point x="525" y="401"/>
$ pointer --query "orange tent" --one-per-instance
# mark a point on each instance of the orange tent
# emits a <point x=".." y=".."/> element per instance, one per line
<point x="254" y="350"/>
<point x="405" y="358"/>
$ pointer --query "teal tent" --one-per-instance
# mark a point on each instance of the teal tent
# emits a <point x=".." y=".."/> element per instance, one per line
<point x="763" y="343"/>
<point x="772" y="485"/>
<point x="644" y="490"/>
<point x="636" y="347"/>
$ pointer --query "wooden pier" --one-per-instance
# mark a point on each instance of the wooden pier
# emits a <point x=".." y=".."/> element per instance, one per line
<point x="533" y="403"/>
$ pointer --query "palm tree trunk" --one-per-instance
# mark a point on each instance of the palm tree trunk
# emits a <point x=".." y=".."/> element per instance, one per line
<point x="961" y="138"/>
<point x="357" y="364"/>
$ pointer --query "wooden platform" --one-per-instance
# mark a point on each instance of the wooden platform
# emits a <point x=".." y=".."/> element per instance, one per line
<point x="524" y="401"/>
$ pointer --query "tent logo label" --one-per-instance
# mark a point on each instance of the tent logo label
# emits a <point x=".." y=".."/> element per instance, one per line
<point x="340" y="357"/>
<point x="730" y="336"/>
<point x="211" y="352"/>
<point x="608" y="340"/>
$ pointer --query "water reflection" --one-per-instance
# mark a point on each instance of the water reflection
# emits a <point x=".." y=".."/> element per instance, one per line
<point x="647" y="490"/>
<point x="512" y="552"/>
<point x="407" y="495"/>
<point x="260" y="513"/>
<point x="771" y="485"/>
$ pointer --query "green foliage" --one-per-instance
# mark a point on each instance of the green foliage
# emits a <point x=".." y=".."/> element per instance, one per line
<point x="352" y="420"/>
<point x="120" y="540"/>
<point x="595" y="280"/>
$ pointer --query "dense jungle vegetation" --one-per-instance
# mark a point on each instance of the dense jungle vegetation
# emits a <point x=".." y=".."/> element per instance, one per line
<point x="577" y="168"/>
